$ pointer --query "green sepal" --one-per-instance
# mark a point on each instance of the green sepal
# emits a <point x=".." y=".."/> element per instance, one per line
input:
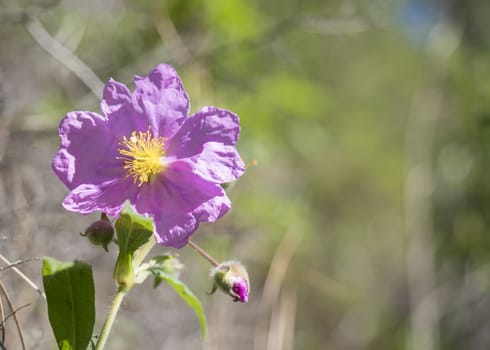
<point x="213" y="289"/>
<point x="132" y="232"/>
<point x="220" y="280"/>
<point x="123" y="272"/>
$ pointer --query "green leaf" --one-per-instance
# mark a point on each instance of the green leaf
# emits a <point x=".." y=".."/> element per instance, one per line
<point x="69" y="291"/>
<point x="185" y="293"/>
<point x="132" y="232"/>
<point x="166" y="263"/>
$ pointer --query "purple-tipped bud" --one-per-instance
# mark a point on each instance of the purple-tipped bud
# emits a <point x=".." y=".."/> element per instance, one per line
<point x="100" y="232"/>
<point x="240" y="288"/>
<point x="232" y="278"/>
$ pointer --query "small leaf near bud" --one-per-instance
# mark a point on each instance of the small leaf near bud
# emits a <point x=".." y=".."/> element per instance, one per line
<point x="231" y="278"/>
<point x="100" y="232"/>
<point x="166" y="264"/>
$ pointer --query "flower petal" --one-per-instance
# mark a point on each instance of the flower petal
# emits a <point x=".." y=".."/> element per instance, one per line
<point x="175" y="191"/>
<point x="213" y="209"/>
<point x="87" y="151"/>
<point x="175" y="230"/>
<point x="108" y="197"/>
<point x="210" y="124"/>
<point x="161" y="97"/>
<point x="114" y="97"/>
<point x="178" y="200"/>
<point x="216" y="163"/>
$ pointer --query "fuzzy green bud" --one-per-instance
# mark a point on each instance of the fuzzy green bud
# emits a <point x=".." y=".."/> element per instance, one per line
<point x="231" y="277"/>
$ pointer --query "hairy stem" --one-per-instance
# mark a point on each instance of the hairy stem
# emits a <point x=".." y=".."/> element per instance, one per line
<point x="111" y="317"/>
<point x="138" y="258"/>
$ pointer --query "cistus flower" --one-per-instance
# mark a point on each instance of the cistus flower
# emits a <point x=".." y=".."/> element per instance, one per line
<point x="146" y="149"/>
<point x="232" y="279"/>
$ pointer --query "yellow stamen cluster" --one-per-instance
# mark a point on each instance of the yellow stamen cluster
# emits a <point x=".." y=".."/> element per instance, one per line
<point x="142" y="154"/>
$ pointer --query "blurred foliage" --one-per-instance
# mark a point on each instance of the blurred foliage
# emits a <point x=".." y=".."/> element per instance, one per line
<point x="329" y="95"/>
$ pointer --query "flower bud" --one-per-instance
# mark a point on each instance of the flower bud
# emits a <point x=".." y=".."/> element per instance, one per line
<point x="172" y="266"/>
<point x="124" y="272"/>
<point x="100" y="232"/>
<point x="232" y="278"/>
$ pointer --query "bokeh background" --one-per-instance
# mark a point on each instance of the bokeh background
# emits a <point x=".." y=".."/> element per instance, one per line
<point x="364" y="214"/>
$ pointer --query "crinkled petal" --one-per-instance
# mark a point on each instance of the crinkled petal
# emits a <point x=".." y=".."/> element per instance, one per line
<point x="116" y="95"/>
<point x="87" y="154"/>
<point x="175" y="230"/>
<point x="107" y="197"/>
<point x="210" y="124"/>
<point x="125" y="120"/>
<point x="161" y="97"/>
<point x="122" y="117"/>
<point x="178" y="200"/>
<point x="213" y="209"/>
<point x="175" y="191"/>
<point x="216" y="163"/>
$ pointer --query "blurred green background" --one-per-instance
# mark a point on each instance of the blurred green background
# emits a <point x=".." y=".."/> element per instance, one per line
<point x="364" y="214"/>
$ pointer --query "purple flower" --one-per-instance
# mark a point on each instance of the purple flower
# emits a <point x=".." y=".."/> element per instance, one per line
<point x="146" y="149"/>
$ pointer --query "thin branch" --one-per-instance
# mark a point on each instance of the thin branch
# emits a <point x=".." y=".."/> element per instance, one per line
<point x="279" y="29"/>
<point x="275" y="278"/>
<point x="48" y="43"/>
<point x="201" y="252"/>
<point x="421" y="271"/>
<point x="14" y="312"/>
<point x="18" y="262"/>
<point x="282" y="322"/>
<point x="24" y="277"/>
<point x="170" y="36"/>
<point x="64" y="56"/>
<point x="2" y="316"/>
<point x="17" y="323"/>
<point x="420" y="132"/>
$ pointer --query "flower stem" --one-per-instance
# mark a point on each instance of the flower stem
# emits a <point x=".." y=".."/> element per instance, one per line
<point x="111" y="317"/>
<point x="138" y="258"/>
<point x="201" y="252"/>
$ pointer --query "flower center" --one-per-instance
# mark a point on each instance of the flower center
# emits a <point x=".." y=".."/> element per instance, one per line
<point x="142" y="154"/>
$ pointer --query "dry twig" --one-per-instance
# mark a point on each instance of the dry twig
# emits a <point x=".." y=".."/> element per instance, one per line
<point x="23" y="276"/>
<point x="18" y="262"/>
<point x="64" y="56"/>
<point x="14" y="314"/>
